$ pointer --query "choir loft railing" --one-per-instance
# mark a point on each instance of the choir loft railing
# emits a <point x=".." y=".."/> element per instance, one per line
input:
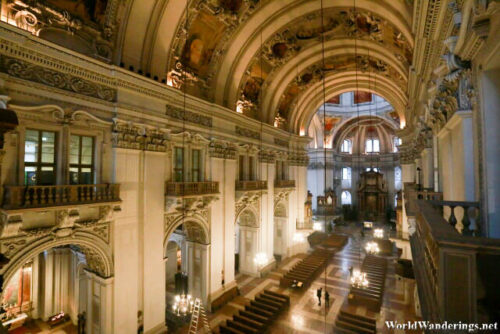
<point x="191" y="188"/>
<point x="453" y="263"/>
<point x="251" y="185"/>
<point x="284" y="183"/>
<point x="20" y="197"/>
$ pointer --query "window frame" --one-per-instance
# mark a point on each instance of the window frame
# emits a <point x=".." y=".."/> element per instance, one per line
<point x="372" y="143"/>
<point x="198" y="167"/>
<point x="80" y="165"/>
<point x="180" y="169"/>
<point x="349" y="146"/>
<point x="39" y="164"/>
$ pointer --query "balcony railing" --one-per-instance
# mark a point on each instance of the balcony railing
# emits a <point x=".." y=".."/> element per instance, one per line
<point x="251" y="185"/>
<point x="191" y="188"/>
<point x="20" y="197"/>
<point x="284" y="183"/>
<point x="449" y="267"/>
<point x="412" y="193"/>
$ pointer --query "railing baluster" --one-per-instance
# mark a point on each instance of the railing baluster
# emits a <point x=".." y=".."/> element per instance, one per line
<point x="466" y="221"/>
<point x="452" y="220"/>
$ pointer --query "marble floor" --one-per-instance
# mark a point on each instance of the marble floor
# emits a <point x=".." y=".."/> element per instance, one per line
<point x="305" y="315"/>
<point x="40" y="327"/>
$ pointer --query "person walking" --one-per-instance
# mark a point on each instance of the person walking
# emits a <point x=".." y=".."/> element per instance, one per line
<point x="350" y="271"/>
<point x="318" y="293"/>
<point x="327" y="299"/>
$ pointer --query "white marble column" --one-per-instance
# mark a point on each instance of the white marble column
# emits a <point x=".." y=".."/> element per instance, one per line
<point x="407" y="175"/>
<point x="35" y="274"/>
<point x="48" y="285"/>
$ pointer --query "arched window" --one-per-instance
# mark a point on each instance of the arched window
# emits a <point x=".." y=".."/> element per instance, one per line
<point x="346" y="177"/>
<point x="375" y="169"/>
<point x="397" y="142"/>
<point x="395" y="200"/>
<point x="372" y="146"/>
<point x="397" y="178"/>
<point x="346" y="146"/>
<point x="345" y="198"/>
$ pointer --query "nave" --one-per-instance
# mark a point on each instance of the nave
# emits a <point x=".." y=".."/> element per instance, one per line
<point x="304" y="314"/>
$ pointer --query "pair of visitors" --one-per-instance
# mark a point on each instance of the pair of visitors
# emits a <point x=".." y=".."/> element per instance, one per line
<point x="327" y="297"/>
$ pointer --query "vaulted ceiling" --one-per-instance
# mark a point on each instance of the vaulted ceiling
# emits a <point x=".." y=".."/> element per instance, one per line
<point x="367" y="47"/>
<point x="263" y="58"/>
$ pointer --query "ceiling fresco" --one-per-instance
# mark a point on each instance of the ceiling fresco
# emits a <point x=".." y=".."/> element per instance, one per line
<point x="255" y="57"/>
<point x="314" y="74"/>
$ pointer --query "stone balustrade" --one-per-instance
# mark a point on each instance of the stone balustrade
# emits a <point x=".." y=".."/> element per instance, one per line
<point x="284" y="183"/>
<point x="191" y="188"/>
<point x="251" y="185"/>
<point x="449" y="266"/>
<point x="24" y="197"/>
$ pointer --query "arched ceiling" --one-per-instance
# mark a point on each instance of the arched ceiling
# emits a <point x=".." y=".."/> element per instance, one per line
<point x="261" y="57"/>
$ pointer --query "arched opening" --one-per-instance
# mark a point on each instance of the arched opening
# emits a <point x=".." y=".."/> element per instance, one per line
<point x="246" y="242"/>
<point x="62" y="287"/>
<point x="187" y="255"/>
<point x="280" y="231"/>
<point x="345" y="198"/>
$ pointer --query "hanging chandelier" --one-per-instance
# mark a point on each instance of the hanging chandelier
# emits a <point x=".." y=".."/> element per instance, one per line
<point x="359" y="280"/>
<point x="372" y="248"/>
<point x="183" y="305"/>
<point x="378" y="233"/>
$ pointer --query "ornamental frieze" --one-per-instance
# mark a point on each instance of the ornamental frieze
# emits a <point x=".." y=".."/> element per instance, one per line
<point x="281" y="142"/>
<point x="188" y="116"/>
<point x="136" y="137"/>
<point x="222" y="149"/>
<point x="27" y="71"/>
<point x="247" y="132"/>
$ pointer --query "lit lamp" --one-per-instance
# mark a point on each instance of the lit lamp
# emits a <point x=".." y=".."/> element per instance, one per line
<point x="378" y="233"/>
<point x="298" y="238"/>
<point x="260" y="259"/>
<point x="358" y="279"/>
<point x="367" y="225"/>
<point x="183" y="305"/>
<point x="372" y="248"/>
<point x="317" y="226"/>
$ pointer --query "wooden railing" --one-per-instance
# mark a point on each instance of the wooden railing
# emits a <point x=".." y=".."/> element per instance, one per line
<point x="449" y="266"/>
<point x="18" y="197"/>
<point x="191" y="188"/>
<point x="284" y="183"/>
<point x="251" y="185"/>
<point x="412" y="193"/>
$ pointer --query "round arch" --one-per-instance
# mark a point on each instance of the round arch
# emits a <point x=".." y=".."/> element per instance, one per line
<point x="313" y="56"/>
<point x="99" y="252"/>
<point x="311" y="100"/>
<point x="249" y="215"/>
<point x="277" y="14"/>
<point x="197" y="229"/>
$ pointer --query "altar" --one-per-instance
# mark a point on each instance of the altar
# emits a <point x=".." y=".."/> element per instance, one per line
<point x="372" y="195"/>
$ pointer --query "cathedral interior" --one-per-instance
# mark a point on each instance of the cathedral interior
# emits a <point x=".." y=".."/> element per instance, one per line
<point x="249" y="166"/>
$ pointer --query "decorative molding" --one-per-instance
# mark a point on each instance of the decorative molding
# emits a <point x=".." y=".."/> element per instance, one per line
<point x="138" y="137"/>
<point x="27" y="71"/>
<point x="222" y="149"/>
<point x="188" y="116"/>
<point x="281" y="142"/>
<point x="38" y="17"/>
<point x="247" y="133"/>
